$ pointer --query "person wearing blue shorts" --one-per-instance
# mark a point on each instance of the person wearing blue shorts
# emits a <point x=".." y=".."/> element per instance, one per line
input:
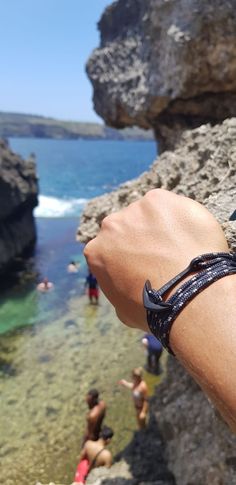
<point x="154" y="351"/>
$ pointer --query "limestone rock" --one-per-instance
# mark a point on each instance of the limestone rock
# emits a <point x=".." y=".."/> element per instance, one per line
<point x="200" y="448"/>
<point x="203" y="167"/>
<point x="18" y="197"/>
<point x="165" y="63"/>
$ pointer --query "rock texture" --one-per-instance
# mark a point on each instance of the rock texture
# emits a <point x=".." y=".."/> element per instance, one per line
<point x="200" y="449"/>
<point x="165" y="64"/>
<point x="203" y="167"/>
<point x="18" y="197"/>
<point x="171" y="65"/>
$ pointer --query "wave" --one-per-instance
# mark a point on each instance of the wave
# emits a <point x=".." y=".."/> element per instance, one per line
<point x="53" y="207"/>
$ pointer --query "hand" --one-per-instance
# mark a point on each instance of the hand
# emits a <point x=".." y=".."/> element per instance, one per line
<point x="154" y="238"/>
<point x="121" y="382"/>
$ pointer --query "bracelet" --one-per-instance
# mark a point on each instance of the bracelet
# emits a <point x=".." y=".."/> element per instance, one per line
<point x="161" y="314"/>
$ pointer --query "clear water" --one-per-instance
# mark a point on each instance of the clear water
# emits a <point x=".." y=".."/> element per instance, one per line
<point x="54" y="346"/>
<point x="70" y="172"/>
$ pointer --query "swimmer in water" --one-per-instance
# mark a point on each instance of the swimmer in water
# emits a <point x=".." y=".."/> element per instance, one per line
<point x="140" y="395"/>
<point x="45" y="285"/>
<point x="73" y="267"/>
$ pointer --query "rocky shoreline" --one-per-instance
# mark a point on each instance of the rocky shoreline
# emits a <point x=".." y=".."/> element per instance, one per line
<point x="18" y="197"/>
<point x="203" y="167"/>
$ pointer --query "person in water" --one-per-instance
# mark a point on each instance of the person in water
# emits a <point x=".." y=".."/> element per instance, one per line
<point x="94" y="454"/>
<point x="154" y="350"/>
<point x="95" y="415"/>
<point x="45" y="285"/>
<point x="92" y="284"/>
<point x="140" y="395"/>
<point x="73" y="267"/>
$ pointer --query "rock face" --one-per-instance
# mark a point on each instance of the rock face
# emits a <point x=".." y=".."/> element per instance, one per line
<point x="199" y="447"/>
<point x="18" y="197"/>
<point x="171" y="65"/>
<point x="165" y="64"/>
<point x="203" y="167"/>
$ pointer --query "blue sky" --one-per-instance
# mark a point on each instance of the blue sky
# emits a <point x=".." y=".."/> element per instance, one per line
<point x="44" y="45"/>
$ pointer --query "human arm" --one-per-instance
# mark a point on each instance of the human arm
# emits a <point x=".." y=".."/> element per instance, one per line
<point x="156" y="238"/>
<point x="127" y="384"/>
<point x="91" y="419"/>
<point x="83" y="453"/>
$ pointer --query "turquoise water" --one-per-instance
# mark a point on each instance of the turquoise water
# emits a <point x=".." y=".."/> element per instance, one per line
<point x="54" y="346"/>
<point x="22" y="305"/>
<point x="71" y="172"/>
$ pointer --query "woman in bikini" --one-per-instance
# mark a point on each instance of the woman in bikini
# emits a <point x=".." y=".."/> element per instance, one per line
<point x="140" y="395"/>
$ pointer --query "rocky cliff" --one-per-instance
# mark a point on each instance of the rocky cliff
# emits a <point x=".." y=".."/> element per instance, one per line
<point x="202" y="166"/>
<point x="165" y="64"/>
<point x="18" y="197"/>
<point x="199" y="447"/>
<point x="170" y="65"/>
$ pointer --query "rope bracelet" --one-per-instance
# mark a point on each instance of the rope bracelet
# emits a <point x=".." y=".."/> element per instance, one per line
<point x="161" y="314"/>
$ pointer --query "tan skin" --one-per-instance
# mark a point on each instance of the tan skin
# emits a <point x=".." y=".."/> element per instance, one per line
<point x="90" y="450"/>
<point x="140" y="404"/>
<point x="156" y="238"/>
<point x="45" y="285"/>
<point x="94" y="418"/>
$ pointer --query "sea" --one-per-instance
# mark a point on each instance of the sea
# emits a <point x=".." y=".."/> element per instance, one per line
<point x="55" y="346"/>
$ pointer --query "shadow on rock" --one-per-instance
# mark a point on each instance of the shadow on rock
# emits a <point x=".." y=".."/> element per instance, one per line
<point x="141" y="462"/>
<point x="145" y="455"/>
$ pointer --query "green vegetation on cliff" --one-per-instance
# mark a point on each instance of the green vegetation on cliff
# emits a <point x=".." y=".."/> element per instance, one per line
<point x="32" y="126"/>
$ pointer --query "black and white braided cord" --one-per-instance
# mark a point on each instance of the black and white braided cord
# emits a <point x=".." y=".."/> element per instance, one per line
<point x="211" y="267"/>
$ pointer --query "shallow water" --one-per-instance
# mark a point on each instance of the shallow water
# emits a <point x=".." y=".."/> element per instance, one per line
<point x="42" y="397"/>
<point x="56" y="347"/>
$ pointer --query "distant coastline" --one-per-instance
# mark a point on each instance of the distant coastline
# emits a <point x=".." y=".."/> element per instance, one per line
<point x="34" y="126"/>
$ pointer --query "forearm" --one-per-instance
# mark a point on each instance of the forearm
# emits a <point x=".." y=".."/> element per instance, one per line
<point x="155" y="238"/>
<point x="145" y="406"/>
<point x="203" y="337"/>
<point x="127" y="384"/>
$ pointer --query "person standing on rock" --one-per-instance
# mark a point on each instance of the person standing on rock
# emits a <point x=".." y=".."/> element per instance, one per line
<point x="140" y="395"/>
<point x="95" y="415"/>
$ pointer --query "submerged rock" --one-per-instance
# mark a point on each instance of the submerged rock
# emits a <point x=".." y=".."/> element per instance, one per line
<point x="18" y="197"/>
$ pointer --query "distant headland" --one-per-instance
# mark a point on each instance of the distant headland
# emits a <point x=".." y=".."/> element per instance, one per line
<point x="34" y="126"/>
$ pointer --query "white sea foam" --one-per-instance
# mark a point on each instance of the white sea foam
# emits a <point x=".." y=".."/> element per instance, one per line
<point x="53" y="207"/>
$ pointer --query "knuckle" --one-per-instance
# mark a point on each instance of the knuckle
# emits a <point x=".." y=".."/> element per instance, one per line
<point x="107" y="222"/>
<point x="155" y="194"/>
<point x="88" y="249"/>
